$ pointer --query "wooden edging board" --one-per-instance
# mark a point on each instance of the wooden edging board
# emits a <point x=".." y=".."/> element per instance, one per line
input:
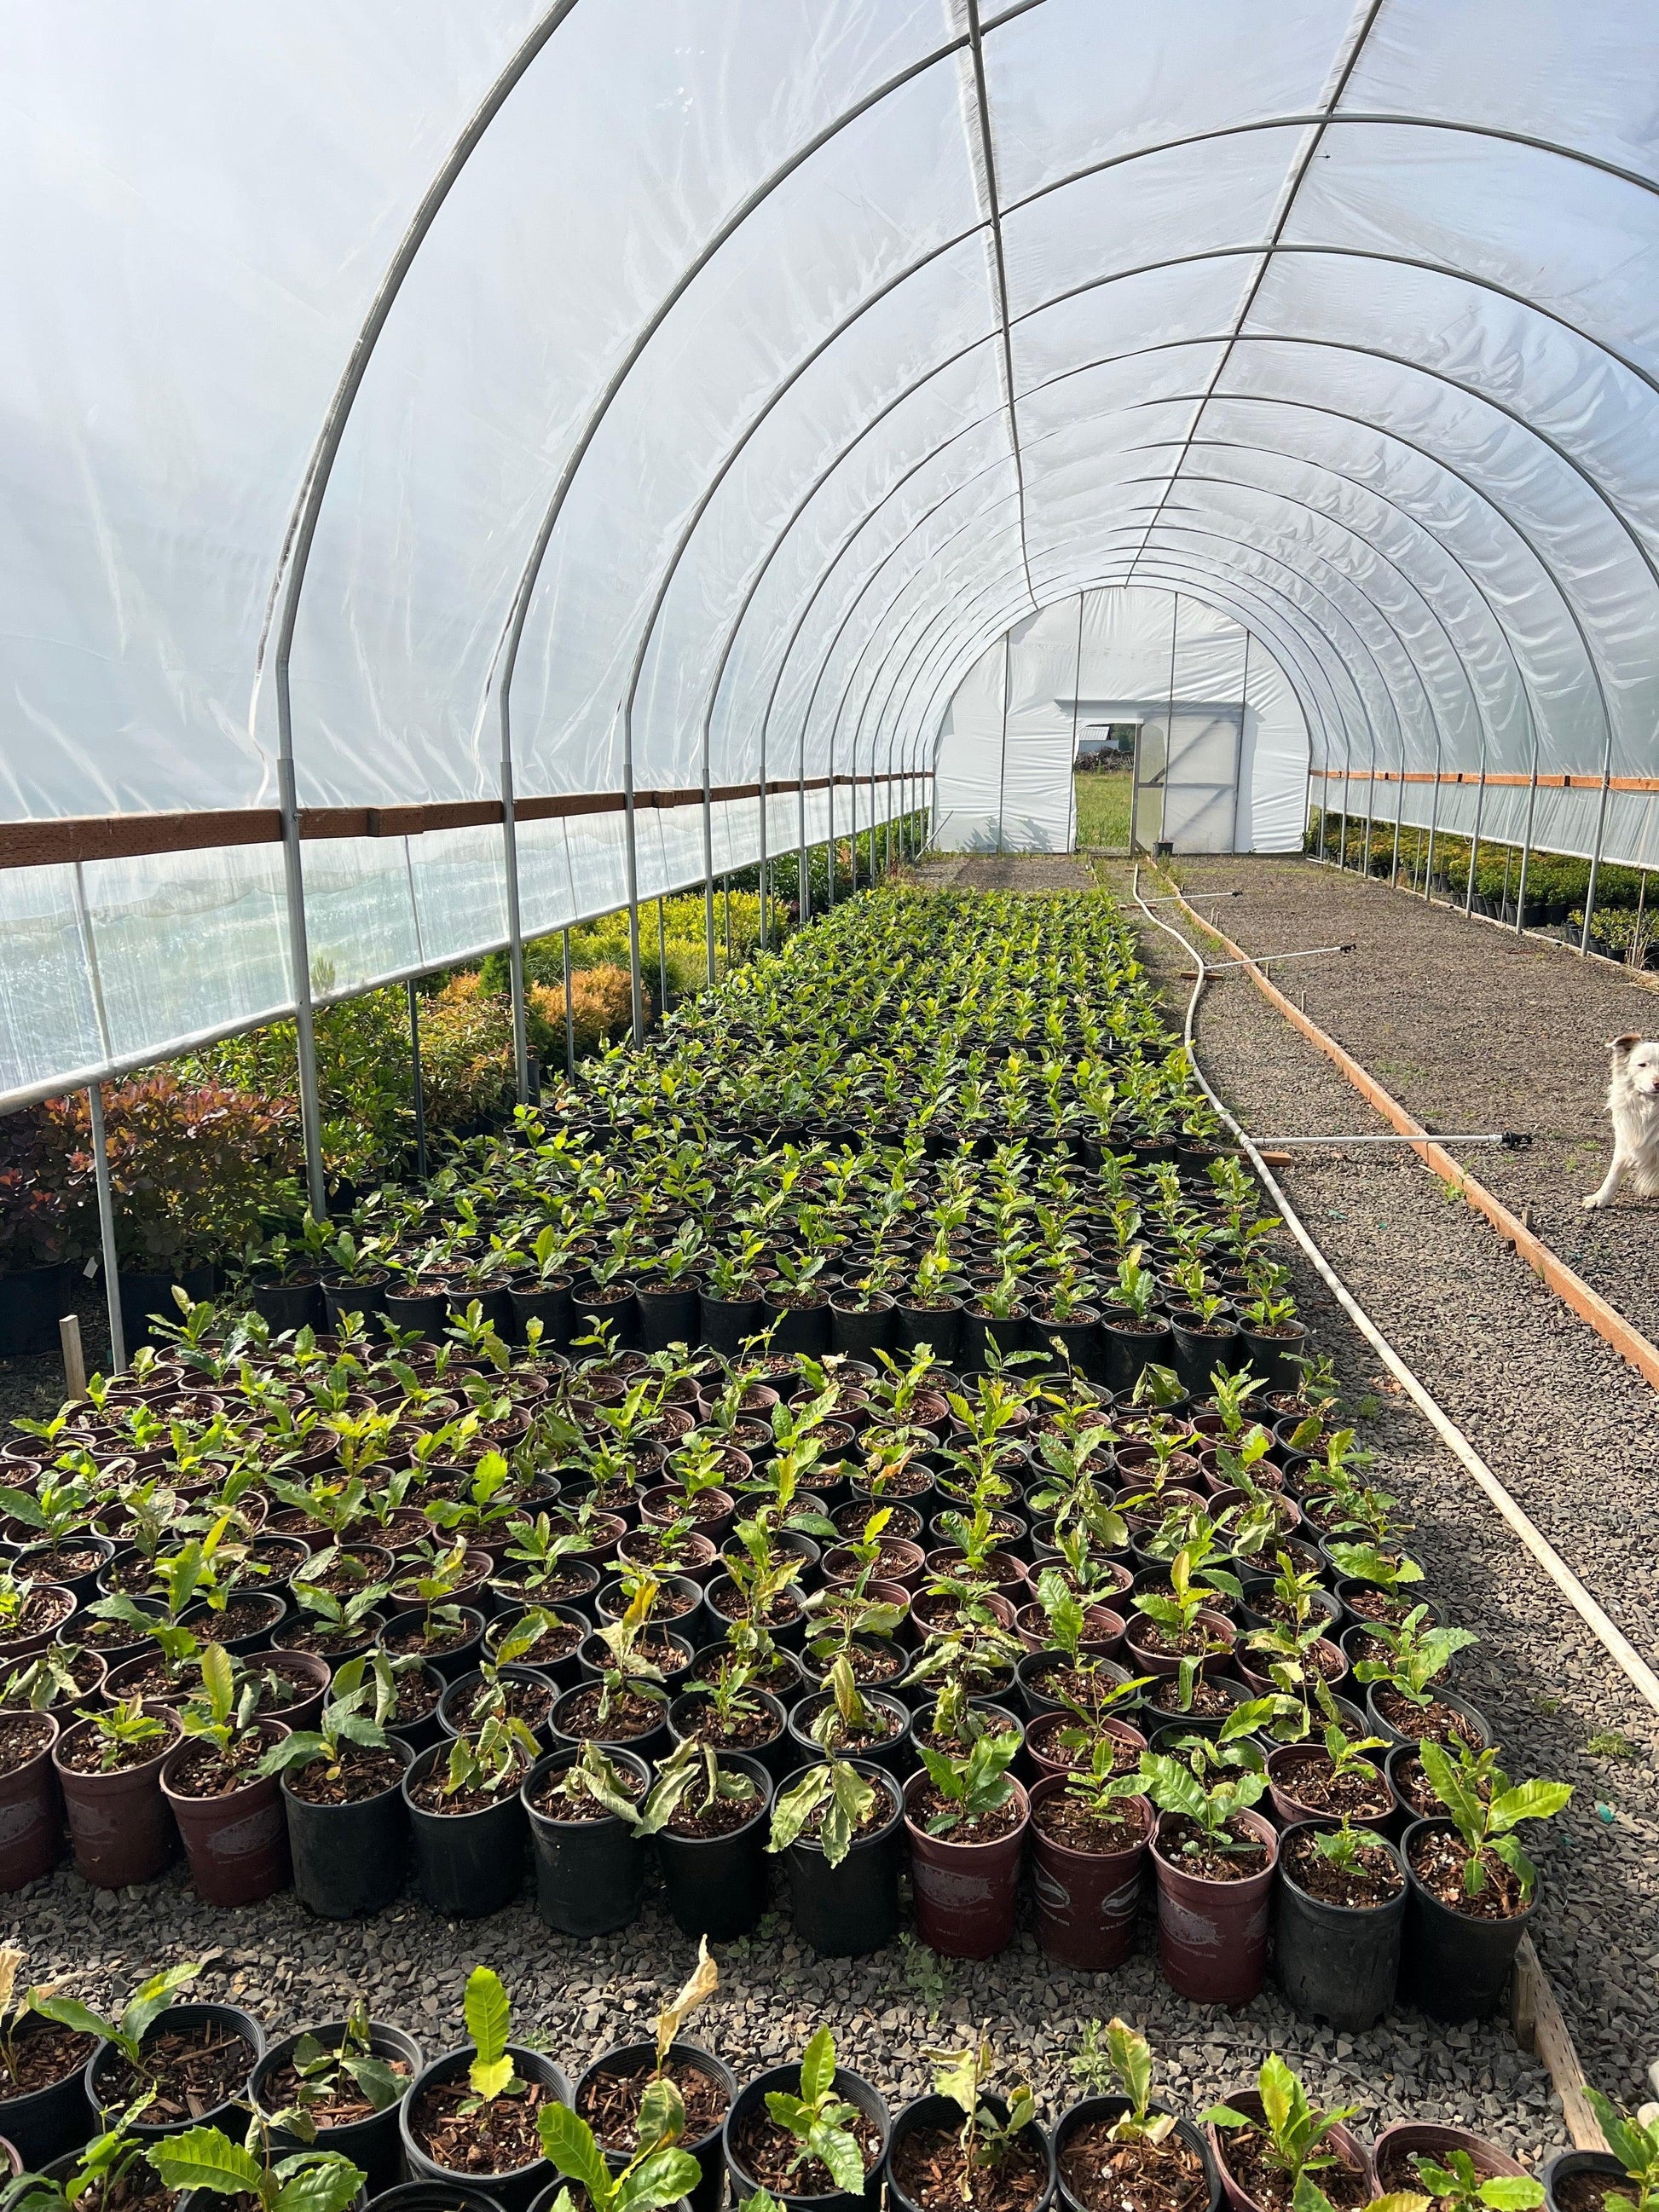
<point x="1570" y="1288"/>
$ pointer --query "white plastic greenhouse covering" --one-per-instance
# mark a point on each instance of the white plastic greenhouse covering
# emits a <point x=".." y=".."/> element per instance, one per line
<point x="1228" y="736"/>
<point x="403" y="395"/>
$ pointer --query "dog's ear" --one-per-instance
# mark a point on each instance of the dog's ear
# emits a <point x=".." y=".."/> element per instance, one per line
<point x="1621" y="1047"/>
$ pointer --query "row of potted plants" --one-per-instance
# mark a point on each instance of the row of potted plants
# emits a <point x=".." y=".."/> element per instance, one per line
<point x="168" y="2099"/>
<point x="589" y="1542"/>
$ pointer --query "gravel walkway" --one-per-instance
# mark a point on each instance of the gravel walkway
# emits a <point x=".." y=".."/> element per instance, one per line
<point x="1471" y="1028"/>
<point x="1564" y="1424"/>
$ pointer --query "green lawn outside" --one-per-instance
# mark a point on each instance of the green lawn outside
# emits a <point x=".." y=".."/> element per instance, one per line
<point x="1103" y="796"/>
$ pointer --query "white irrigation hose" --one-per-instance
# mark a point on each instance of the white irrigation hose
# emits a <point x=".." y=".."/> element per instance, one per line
<point x="1617" y="1645"/>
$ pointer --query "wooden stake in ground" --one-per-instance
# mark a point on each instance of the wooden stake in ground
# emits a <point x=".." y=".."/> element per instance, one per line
<point x="75" y="1360"/>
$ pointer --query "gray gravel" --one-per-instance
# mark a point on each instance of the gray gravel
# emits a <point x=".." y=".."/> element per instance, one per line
<point x="1471" y="1028"/>
<point x="1570" y="1431"/>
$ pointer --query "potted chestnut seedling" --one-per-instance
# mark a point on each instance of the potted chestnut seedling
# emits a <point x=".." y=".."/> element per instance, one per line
<point x="473" y="2114"/>
<point x="811" y="2137"/>
<point x="207" y="2160"/>
<point x="43" y="2104"/>
<point x="189" y="2061"/>
<point x="1625" y="2178"/>
<point x="838" y="1828"/>
<point x="1472" y="1888"/>
<point x="337" y="2088"/>
<point x="674" y="2088"/>
<point x="1115" y="2148"/>
<point x="966" y="2146"/>
<point x="1272" y="2142"/>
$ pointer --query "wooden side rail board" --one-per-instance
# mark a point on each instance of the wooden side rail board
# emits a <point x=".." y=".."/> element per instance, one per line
<point x="68" y="838"/>
<point x="1538" y="2025"/>
<point x="1573" y="1290"/>
<point x="1490" y="778"/>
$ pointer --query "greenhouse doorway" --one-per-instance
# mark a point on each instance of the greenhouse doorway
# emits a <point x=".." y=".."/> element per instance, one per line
<point x="1185" y="779"/>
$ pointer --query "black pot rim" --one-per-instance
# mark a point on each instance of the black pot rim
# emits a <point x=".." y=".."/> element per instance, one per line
<point x="332" y="2032"/>
<point x="393" y="1743"/>
<point x="694" y="2053"/>
<point x="871" y="2103"/>
<point x="921" y="2111"/>
<point x="1351" y="1912"/>
<point x="440" y="2069"/>
<point x="1446" y="1826"/>
<point x="246" y="2026"/>
<point x="868" y="1771"/>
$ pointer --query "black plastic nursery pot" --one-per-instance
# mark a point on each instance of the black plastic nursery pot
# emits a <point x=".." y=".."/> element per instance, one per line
<point x="1272" y="1355"/>
<point x="372" y="2143"/>
<point x="434" y="2196"/>
<point x="512" y="2191"/>
<point x="668" y="1314"/>
<point x="799" y="1328"/>
<point x="535" y="1690"/>
<point x="779" y="1755"/>
<point x="716" y="1886"/>
<point x="285" y="1306"/>
<point x="896" y="1755"/>
<point x="110" y="2086"/>
<point x="549" y="1304"/>
<point x="1129" y="1348"/>
<point x="143" y="1296"/>
<point x="590" y="1874"/>
<point x="935" y="2116"/>
<point x="1456" y="1966"/>
<point x="844" y="1912"/>
<point x="1336" y="1963"/>
<point x="348" y="1859"/>
<point x="938" y="1327"/>
<point x="32" y="1299"/>
<point x="1080" y="2153"/>
<point x="723" y="1323"/>
<point x="466" y="1864"/>
<point x="630" y="2059"/>
<point x="748" y="2109"/>
<point x="450" y="1659"/>
<point x="42" y="2124"/>
<point x="1577" y="2165"/>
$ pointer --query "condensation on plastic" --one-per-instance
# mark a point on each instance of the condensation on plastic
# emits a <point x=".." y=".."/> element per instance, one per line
<point x="699" y="364"/>
<point x="1129" y="655"/>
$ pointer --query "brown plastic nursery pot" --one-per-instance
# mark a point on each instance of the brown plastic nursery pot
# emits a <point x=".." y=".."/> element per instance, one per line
<point x="120" y="1824"/>
<point x="1338" y="2142"/>
<point x="966" y="1893"/>
<point x="31" y="1806"/>
<point x="236" y="1843"/>
<point x="1086" y="1901"/>
<point x="1212" y="1935"/>
<point x="1400" y="2145"/>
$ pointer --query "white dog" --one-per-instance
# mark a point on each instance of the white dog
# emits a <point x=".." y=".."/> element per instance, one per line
<point x="1633" y="1107"/>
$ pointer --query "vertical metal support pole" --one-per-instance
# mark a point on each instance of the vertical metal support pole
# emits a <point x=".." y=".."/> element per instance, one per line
<point x="853" y="812"/>
<point x="417" y="1083"/>
<point x="1503" y="896"/>
<point x="311" y="1112"/>
<point x="708" y="869"/>
<point x="569" y="1015"/>
<point x="632" y="859"/>
<point x="118" y="1335"/>
<point x="1474" y="843"/>
<point x="1398" y="819"/>
<point x="725" y="888"/>
<point x="1434" y="825"/>
<point x="1596" y="857"/>
<point x="803" y="861"/>
<point x="1526" y="850"/>
<point x="1324" y="806"/>
<point x="662" y="957"/>
<point x="1135" y="799"/>
<point x="765" y="934"/>
<point x="514" y="922"/>
<point x="830" y="845"/>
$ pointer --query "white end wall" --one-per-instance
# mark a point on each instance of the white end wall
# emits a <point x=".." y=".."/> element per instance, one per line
<point x="1117" y="654"/>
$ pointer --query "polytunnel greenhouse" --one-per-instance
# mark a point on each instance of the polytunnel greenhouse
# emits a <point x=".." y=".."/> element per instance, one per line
<point x="827" y="1131"/>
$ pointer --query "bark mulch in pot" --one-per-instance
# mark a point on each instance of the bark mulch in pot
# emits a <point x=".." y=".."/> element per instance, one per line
<point x="1442" y="1724"/>
<point x="343" y="2106"/>
<point x="547" y="1799"/>
<point x="609" y="2102"/>
<point x="742" y="1732"/>
<point x="1208" y="1697"/>
<point x="206" y="1772"/>
<point x="41" y="2060"/>
<point x="498" y="2137"/>
<point x="1376" y="1877"/>
<point x="692" y="1818"/>
<point x="1588" y="2192"/>
<point x="1103" y="2176"/>
<point x="629" y="1714"/>
<point x="429" y="1795"/>
<point x="23" y="1737"/>
<point x="529" y="1702"/>
<point x="1043" y="1737"/>
<point x="1438" y="1859"/>
<point x="1363" y="1795"/>
<point x="769" y="2153"/>
<point x="933" y="2169"/>
<point x="929" y="1805"/>
<point x="427" y="1636"/>
<point x="84" y="1752"/>
<point x="190" y="2071"/>
<point x="1066" y="1820"/>
<point x="363" y="1772"/>
<point x="1182" y="1843"/>
<point x="1246" y="2153"/>
<point x="138" y="2189"/>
